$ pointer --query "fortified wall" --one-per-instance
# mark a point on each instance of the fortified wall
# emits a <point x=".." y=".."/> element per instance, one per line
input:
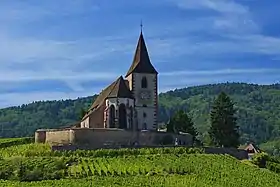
<point x="99" y="138"/>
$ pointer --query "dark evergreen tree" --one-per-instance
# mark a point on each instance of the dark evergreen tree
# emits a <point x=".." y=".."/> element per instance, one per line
<point x="170" y="127"/>
<point x="181" y="122"/>
<point x="224" y="129"/>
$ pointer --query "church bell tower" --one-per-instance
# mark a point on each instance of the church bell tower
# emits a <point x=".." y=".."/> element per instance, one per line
<point x="143" y="82"/>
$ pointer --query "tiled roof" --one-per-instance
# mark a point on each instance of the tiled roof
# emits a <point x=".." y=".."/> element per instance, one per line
<point x="141" y="61"/>
<point x="118" y="89"/>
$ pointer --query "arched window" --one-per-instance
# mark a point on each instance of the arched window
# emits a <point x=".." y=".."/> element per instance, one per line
<point x="112" y="116"/>
<point x="144" y="83"/>
<point x="131" y="118"/>
<point x="122" y="117"/>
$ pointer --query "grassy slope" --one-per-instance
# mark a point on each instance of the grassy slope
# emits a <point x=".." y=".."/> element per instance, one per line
<point x="148" y="169"/>
<point x="206" y="170"/>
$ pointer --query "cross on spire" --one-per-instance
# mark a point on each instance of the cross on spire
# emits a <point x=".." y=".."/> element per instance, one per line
<point x="141" y="25"/>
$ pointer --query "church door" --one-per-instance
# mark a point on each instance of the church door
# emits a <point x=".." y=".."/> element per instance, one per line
<point x="112" y="117"/>
<point x="122" y="117"/>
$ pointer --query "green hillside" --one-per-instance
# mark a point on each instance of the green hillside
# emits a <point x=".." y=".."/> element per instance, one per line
<point x="258" y="110"/>
<point x="187" y="170"/>
<point x="29" y="164"/>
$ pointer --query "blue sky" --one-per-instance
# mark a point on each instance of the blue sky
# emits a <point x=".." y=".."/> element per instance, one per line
<point x="68" y="49"/>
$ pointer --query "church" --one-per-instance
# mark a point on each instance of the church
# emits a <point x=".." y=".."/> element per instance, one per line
<point x="124" y="114"/>
<point x="130" y="102"/>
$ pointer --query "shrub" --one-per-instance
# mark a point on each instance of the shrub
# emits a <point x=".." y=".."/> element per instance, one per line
<point x="260" y="159"/>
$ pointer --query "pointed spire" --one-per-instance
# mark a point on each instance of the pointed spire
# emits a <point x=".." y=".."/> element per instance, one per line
<point x="141" y="61"/>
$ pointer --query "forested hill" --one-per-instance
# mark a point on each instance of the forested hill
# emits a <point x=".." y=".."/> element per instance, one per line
<point x="258" y="108"/>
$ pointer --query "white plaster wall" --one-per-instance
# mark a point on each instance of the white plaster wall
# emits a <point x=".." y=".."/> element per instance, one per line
<point x="85" y="123"/>
<point x="149" y="119"/>
<point x="151" y="109"/>
<point x="113" y="101"/>
<point x="151" y="87"/>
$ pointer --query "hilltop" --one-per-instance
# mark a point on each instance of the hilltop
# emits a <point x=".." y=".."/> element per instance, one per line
<point x="258" y="108"/>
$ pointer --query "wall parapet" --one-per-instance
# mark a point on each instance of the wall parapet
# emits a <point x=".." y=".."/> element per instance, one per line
<point x="101" y="137"/>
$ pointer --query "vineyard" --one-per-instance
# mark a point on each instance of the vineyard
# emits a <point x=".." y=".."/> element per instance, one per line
<point x="33" y="165"/>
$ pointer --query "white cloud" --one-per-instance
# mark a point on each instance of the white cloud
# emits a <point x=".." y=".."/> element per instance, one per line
<point x="18" y="76"/>
<point x="223" y="6"/>
<point x="232" y="17"/>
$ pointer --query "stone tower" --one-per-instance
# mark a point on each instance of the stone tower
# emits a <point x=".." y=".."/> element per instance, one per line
<point x="143" y="83"/>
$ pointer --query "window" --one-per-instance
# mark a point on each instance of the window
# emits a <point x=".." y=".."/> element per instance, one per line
<point x="144" y="83"/>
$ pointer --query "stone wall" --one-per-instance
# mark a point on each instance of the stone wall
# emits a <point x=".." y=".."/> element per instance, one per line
<point x="40" y="136"/>
<point x="98" y="138"/>
<point x="54" y="136"/>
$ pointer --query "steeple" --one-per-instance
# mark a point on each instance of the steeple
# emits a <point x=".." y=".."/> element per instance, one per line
<point x="141" y="61"/>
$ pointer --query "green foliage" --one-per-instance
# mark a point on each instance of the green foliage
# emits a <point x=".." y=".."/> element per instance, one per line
<point x="7" y="142"/>
<point x="44" y="150"/>
<point x="170" y="127"/>
<point x="82" y="113"/>
<point x="185" y="170"/>
<point x="272" y="166"/>
<point x="181" y="122"/>
<point x="263" y="160"/>
<point x="257" y="107"/>
<point x="33" y="169"/>
<point x="271" y="147"/>
<point x="176" y="166"/>
<point x="223" y="130"/>
<point x="24" y="120"/>
<point x="260" y="159"/>
<point x="249" y="162"/>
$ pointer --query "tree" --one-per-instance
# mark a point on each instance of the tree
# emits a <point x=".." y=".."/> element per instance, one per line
<point x="224" y="130"/>
<point x="170" y="127"/>
<point x="82" y="113"/>
<point x="181" y="122"/>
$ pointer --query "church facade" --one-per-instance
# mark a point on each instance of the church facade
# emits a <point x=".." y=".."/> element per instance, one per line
<point x="130" y="102"/>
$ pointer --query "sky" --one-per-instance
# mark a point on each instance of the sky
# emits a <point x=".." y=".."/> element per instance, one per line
<point x="52" y="50"/>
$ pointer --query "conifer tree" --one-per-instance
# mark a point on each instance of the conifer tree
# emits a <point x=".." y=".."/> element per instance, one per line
<point x="224" y="130"/>
<point x="181" y="122"/>
<point x="170" y="126"/>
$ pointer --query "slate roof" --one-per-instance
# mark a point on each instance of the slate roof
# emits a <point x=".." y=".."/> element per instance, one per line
<point x="141" y="61"/>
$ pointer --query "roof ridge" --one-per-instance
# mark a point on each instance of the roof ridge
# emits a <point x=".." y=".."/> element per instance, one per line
<point x="116" y="81"/>
<point x="141" y="61"/>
